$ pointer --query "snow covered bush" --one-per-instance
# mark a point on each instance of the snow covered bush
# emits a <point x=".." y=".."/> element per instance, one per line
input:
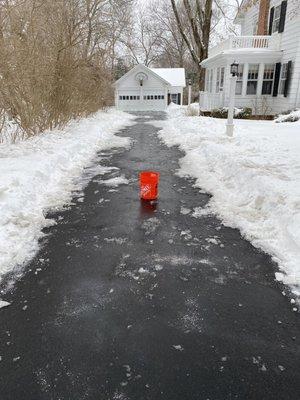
<point x="241" y="113"/>
<point x="291" y="116"/>
<point x="192" y="111"/>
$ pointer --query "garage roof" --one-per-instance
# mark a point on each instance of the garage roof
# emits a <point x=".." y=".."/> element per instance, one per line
<point x="175" y="76"/>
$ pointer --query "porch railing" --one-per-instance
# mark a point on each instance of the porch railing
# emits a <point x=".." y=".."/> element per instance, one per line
<point x="245" y="42"/>
<point x="208" y="101"/>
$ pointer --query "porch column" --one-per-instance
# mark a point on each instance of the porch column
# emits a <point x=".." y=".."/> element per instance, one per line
<point x="260" y="79"/>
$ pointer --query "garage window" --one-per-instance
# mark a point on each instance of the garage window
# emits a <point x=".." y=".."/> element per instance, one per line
<point x="153" y="97"/>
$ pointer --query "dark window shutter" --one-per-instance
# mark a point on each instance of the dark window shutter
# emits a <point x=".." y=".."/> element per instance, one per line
<point x="282" y="16"/>
<point x="179" y="98"/>
<point x="288" y="79"/>
<point x="271" y="20"/>
<point x="276" y="79"/>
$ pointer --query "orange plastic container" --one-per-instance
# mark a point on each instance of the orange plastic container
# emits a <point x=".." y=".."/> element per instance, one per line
<point x="149" y="185"/>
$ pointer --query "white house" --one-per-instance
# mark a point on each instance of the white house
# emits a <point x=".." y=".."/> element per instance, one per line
<point x="268" y="54"/>
<point x="144" y="89"/>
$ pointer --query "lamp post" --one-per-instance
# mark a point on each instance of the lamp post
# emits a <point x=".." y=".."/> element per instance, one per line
<point x="190" y="92"/>
<point x="229" y="126"/>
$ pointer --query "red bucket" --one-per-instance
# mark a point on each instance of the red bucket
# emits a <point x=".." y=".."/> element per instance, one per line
<point x="149" y="185"/>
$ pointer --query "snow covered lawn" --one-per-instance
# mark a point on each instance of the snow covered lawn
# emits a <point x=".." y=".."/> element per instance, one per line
<point x="39" y="174"/>
<point x="254" y="179"/>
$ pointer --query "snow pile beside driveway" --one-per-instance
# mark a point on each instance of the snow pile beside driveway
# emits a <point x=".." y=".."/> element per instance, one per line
<point x="254" y="179"/>
<point x="38" y="174"/>
<point x="293" y="116"/>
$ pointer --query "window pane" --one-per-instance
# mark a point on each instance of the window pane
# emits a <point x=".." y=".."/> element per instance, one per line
<point x="222" y="77"/>
<point x="251" y="87"/>
<point x="238" y="88"/>
<point x="269" y="71"/>
<point x="267" y="87"/>
<point x="240" y="72"/>
<point x="253" y="71"/>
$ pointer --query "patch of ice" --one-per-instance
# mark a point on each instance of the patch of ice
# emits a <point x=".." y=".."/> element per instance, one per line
<point x="184" y="210"/>
<point x="178" y="347"/>
<point x="116" y="181"/>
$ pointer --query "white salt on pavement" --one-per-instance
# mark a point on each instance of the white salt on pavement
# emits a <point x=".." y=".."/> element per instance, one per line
<point x="254" y="178"/>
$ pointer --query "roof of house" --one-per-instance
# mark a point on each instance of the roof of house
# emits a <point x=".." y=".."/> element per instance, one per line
<point x="169" y="76"/>
<point x="146" y="69"/>
<point x="175" y="76"/>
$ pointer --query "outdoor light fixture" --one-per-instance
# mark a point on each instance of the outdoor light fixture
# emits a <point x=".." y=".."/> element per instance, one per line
<point x="190" y="82"/>
<point x="234" y="68"/>
<point x="234" y="71"/>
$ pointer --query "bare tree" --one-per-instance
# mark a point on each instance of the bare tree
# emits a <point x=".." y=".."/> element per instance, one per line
<point x="56" y="59"/>
<point x="199" y="16"/>
<point x="144" y="42"/>
<point x="173" y="50"/>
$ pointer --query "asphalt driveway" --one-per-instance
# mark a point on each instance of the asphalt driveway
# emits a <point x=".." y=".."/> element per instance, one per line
<point x="135" y="301"/>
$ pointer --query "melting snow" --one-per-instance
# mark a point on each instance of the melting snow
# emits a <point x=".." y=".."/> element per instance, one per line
<point x="4" y="303"/>
<point x="254" y="178"/>
<point x="41" y="173"/>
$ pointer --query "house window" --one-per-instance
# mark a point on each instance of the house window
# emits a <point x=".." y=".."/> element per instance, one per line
<point x="276" y="18"/>
<point x="283" y="77"/>
<point x="268" y="79"/>
<point x="252" y="79"/>
<point x="239" y="80"/>
<point x="174" y="98"/>
<point x="220" y="79"/>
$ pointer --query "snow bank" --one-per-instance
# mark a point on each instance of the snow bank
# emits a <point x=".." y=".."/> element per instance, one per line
<point x="293" y="116"/>
<point x="254" y="179"/>
<point x="38" y="174"/>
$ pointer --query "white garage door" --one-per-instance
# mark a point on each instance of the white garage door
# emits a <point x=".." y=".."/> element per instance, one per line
<point x="146" y="102"/>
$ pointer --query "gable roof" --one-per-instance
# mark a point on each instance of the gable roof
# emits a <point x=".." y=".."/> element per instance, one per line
<point x="146" y="69"/>
<point x="175" y="76"/>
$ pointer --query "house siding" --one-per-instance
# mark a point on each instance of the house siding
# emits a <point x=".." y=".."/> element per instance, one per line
<point x="290" y="45"/>
<point x="288" y="50"/>
<point x="250" y="20"/>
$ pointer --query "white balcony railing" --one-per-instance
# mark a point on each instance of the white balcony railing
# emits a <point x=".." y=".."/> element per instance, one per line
<point x="245" y="42"/>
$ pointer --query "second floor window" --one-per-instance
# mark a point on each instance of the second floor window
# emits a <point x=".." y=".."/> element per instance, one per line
<point x="276" y="19"/>
<point x="268" y="79"/>
<point x="252" y="78"/>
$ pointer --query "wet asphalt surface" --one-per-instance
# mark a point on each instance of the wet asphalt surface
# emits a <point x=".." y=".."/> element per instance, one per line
<point x="136" y="301"/>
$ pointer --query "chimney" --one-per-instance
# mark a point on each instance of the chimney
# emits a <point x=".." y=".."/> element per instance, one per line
<point x="263" y="17"/>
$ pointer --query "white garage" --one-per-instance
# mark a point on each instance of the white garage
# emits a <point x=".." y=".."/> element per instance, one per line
<point x="149" y="89"/>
